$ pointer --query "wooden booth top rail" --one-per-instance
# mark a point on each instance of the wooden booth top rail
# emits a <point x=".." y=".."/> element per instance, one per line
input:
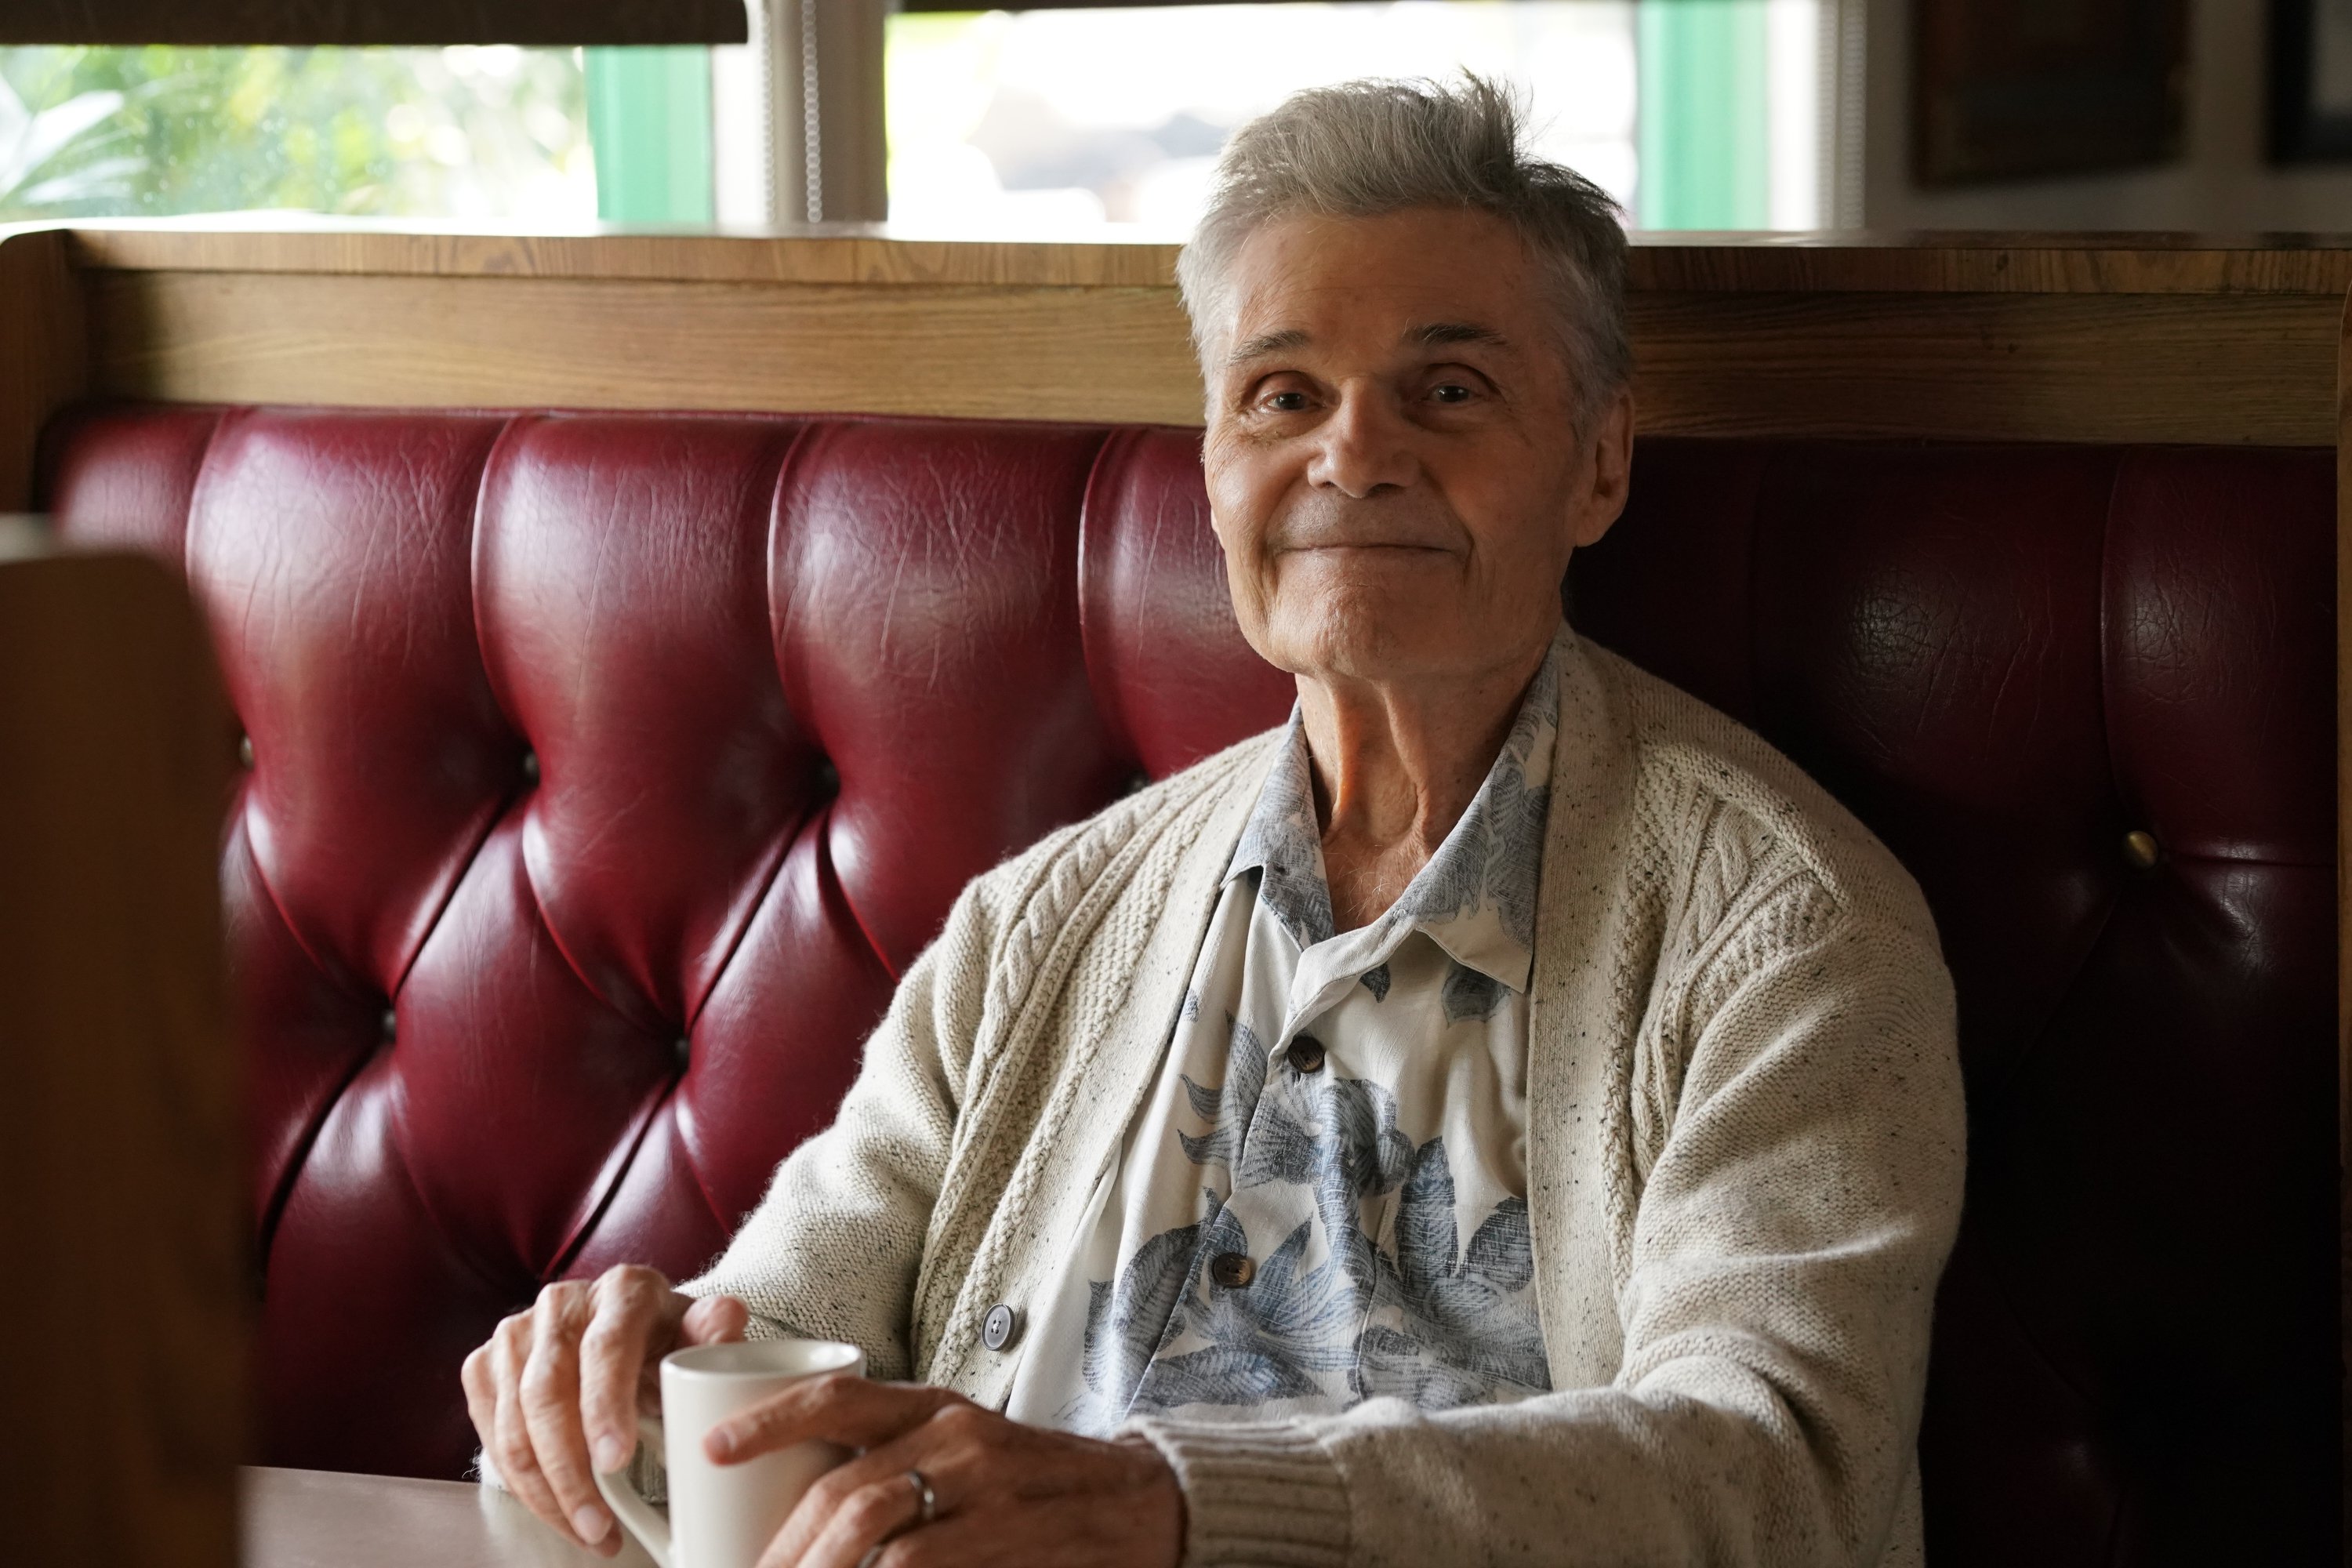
<point x="1823" y="262"/>
<point x="2004" y="337"/>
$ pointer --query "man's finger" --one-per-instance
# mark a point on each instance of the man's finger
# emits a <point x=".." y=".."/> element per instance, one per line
<point x="551" y="1412"/>
<point x="481" y="1397"/>
<point x="857" y="1505"/>
<point x="629" y="1307"/>
<point x="715" y="1320"/>
<point x="997" y="1532"/>
<point x="847" y="1525"/>
<point x="510" y="1442"/>
<point x="838" y="1407"/>
<point x="1032" y="1539"/>
<point x="1017" y="1536"/>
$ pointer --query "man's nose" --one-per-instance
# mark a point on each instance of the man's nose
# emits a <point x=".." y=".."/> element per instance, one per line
<point x="1365" y="446"/>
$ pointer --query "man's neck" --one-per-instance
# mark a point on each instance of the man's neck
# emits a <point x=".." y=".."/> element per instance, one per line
<point x="1396" y="764"/>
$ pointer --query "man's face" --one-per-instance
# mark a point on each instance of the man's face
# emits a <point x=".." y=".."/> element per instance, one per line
<point x="1393" y="461"/>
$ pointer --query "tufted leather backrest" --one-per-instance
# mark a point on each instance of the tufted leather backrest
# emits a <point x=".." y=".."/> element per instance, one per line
<point x="2007" y="661"/>
<point x="606" y="770"/>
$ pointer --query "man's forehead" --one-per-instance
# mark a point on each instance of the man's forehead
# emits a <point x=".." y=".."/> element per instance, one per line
<point x="1415" y="334"/>
<point x="1413" y="280"/>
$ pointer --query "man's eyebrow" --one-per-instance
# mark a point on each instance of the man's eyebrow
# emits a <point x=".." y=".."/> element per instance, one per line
<point x="1439" y="332"/>
<point x="1266" y="343"/>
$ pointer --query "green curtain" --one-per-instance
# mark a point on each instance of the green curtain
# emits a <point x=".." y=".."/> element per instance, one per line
<point x="1704" y="138"/>
<point x="650" y="128"/>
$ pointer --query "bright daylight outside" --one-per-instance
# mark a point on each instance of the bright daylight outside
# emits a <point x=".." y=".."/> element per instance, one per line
<point x="1039" y="121"/>
<point x="1048" y="119"/>
<point x="1032" y="123"/>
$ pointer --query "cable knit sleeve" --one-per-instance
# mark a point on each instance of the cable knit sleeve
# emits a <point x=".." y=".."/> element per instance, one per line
<point x="1774" y="1297"/>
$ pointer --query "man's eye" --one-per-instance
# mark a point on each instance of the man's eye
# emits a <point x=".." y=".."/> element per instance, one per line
<point x="1451" y="392"/>
<point x="1288" y="403"/>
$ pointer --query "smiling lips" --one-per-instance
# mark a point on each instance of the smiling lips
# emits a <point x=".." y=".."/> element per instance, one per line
<point x="1318" y="525"/>
<point x="1365" y="548"/>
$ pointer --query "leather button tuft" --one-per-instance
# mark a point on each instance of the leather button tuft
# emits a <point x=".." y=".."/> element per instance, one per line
<point x="530" y="766"/>
<point x="245" y="751"/>
<point x="1137" y="783"/>
<point x="682" y="1049"/>
<point x="1233" y="1270"/>
<point x="1304" y="1055"/>
<point x="387" y="1025"/>
<point x="828" y="778"/>
<point x="1001" y="1327"/>
<point x="2141" y="850"/>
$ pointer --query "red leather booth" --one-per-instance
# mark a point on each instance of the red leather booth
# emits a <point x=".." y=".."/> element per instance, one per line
<point x="603" y="771"/>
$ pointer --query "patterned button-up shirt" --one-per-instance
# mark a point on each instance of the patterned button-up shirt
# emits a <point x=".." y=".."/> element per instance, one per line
<point x="1323" y="1199"/>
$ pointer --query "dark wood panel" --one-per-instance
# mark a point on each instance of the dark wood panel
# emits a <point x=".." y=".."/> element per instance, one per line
<point x="2006" y="90"/>
<point x="372" y="22"/>
<point x="2344" y="894"/>
<point x="43" y="348"/>
<point x="2206" y="370"/>
<point x="122" y="1321"/>
<point x="1993" y="263"/>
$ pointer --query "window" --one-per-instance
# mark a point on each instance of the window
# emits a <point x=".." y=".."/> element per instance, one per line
<point x="1053" y="119"/>
<point x="480" y="132"/>
<point x="1694" y="113"/>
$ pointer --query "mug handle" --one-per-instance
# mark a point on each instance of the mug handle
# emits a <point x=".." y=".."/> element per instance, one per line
<point x="639" y="1517"/>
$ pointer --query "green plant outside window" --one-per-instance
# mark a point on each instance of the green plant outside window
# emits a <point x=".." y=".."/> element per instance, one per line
<point x="483" y="132"/>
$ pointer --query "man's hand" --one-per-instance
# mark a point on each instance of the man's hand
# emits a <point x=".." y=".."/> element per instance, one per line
<point x="1004" y="1492"/>
<point x="566" y="1380"/>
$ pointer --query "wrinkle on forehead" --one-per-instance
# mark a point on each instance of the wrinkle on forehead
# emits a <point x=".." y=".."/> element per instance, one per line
<point x="1433" y="334"/>
<point x="1266" y="343"/>
<point x="1439" y="333"/>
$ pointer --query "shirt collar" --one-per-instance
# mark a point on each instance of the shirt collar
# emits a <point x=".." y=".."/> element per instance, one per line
<point x="1283" y="842"/>
<point x="1476" y="896"/>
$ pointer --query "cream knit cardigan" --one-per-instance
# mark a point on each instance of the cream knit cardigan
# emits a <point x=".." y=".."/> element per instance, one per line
<point x="1743" y="1161"/>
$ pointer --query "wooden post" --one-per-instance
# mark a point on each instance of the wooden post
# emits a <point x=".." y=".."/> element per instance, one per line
<point x="123" y="1278"/>
<point x="2344" y="902"/>
<point x="44" y="350"/>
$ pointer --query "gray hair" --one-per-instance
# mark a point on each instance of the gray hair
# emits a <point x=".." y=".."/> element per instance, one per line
<point x="1367" y="148"/>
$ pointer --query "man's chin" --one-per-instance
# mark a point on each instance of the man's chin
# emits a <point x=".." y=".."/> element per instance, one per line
<point x="1371" y="637"/>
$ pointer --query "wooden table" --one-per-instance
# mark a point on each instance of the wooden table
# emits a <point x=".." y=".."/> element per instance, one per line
<point x="318" y="1518"/>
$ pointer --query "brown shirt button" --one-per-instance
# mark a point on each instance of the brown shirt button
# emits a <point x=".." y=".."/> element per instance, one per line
<point x="1233" y="1270"/>
<point x="1304" y="1055"/>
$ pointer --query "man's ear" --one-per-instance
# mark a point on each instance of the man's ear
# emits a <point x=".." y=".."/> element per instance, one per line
<point x="1610" y="467"/>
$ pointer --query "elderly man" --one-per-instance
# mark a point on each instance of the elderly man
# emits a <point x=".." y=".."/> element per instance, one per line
<point x="1506" y="1114"/>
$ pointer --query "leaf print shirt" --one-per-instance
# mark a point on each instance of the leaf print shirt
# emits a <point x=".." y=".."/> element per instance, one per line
<point x="1323" y="1198"/>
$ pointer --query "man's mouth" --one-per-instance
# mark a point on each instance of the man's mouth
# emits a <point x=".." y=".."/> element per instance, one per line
<point x="1343" y="544"/>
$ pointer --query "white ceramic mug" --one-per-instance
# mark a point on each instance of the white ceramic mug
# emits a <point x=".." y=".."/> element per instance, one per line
<point x="723" y="1516"/>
